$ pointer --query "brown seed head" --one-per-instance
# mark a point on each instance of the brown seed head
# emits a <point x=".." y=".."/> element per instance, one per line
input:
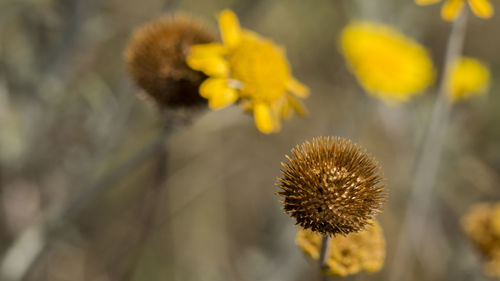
<point x="331" y="186"/>
<point x="156" y="59"/>
<point x="482" y="225"/>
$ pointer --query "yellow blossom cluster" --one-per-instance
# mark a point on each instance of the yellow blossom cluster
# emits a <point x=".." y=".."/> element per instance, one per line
<point x="388" y="65"/>
<point x="482" y="226"/>
<point x="469" y="77"/>
<point x="349" y="254"/>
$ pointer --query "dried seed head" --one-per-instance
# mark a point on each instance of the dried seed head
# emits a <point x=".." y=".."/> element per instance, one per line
<point x="331" y="186"/>
<point x="482" y="226"/>
<point x="156" y="59"/>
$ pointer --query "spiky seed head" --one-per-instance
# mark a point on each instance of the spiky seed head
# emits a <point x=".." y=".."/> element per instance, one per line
<point x="156" y="59"/>
<point x="331" y="186"/>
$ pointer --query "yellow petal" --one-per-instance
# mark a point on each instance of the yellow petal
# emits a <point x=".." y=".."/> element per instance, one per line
<point x="218" y="93"/>
<point x="229" y="28"/>
<point x="298" y="106"/>
<point x="451" y="9"/>
<point x="482" y="8"/>
<point x="209" y="59"/>
<point x="264" y="118"/>
<point x="213" y="66"/>
<point x="208" y="50"/>
<point x="286" y="111"/>
<point x="276" y="110"/>
<point x="426" y="2"/>
<point x="297" y="88"/>
<point x="211" y="86"/>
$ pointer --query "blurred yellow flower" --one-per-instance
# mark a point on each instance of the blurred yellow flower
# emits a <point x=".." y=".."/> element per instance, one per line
<point x="251" y="69"/>
<point x="350" y="254"/>
<point x="452" y="8"/>
<point x="470" y="77"/>
<point x="387" y="64"/>
<point x="482" y="226"/>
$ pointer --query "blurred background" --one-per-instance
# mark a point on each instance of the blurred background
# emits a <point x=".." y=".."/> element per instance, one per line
<point x="90" y="190"/>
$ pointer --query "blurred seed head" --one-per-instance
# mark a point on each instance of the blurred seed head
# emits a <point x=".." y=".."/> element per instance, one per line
<point x="156" y="59"/>
<point x="332" y="186"/>
<point x="481" y="223"/>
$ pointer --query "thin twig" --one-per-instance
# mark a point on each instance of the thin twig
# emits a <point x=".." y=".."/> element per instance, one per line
<point x="421" y="191"/>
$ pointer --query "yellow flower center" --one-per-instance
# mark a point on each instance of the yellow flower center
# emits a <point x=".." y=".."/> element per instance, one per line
<point x="261" y="68"/>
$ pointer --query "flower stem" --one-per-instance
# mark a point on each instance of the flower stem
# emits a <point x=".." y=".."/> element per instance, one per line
<point x="325" y="252"/>
<point x="420" y="198"/>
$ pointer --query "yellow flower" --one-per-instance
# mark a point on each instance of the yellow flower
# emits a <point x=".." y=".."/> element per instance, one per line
<point x="387" y="64"/>
<point x="452" y="8"/>
<point x="248" y="68"/>
<point x="349" y="254"/>
<point x="469" y="77"/>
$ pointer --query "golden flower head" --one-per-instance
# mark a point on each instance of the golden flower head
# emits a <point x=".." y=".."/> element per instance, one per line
<point x="452" y="8"/>
<point x="470" y="77"/>
<point x="482" y="226"/>
<point x="251" y="69"/>
<point x="350" y="254"/>
<point x="331" y="186"/>
<point x="387" y="64"/>
<point x="156" y="59"/>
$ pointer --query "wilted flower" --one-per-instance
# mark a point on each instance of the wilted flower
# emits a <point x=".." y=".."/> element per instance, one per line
<point x="452" y="8"/>
<point x="482" y="225"/>
<point x="350" y="254"/>
<point x="251" y="69"/>
<point x="156" y="59"/>
<point x="331" y="186"/>
<point x="470" y="77"/>
<point x="386" y="63"/>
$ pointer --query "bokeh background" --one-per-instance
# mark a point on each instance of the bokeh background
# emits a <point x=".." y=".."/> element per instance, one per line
<point x="91" y="190"/>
